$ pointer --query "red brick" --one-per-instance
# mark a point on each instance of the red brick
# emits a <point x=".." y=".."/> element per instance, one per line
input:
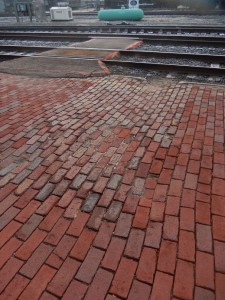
<point x="205" y="176"/>
<point x="90" y="265"/>
<point x="188" y="198"/>
<point x="219" y="250"/>
<point x="123" y="225"/>
<point x="57" y="232"/>
<point x="183" y="159"/>
<point x="219" y="171"/>
<point x="54" y="261"/>
<point x="175" y="188"/>
<point x="150" y="183"/>
<point x="153" y="235"/>
<point x="156" y="167"/>
<point x="186" y="246"/>
<point x="49" y="203"/>
<point x="220" y="286"/>
<point x="100" y="285"/>
<point x="122" y="192"/>
<point x="15" y="287"/>
<point x="131" y="204"/>
<point x="204" y="237"/>
<point x="100" y="185"/>
<point x="27" y="229"/>
<point x="138" y="186"/>
<point x="157" y="211"/>
<point x="67" y="198"/>
<point x="106" y="198"/>
<point x="76" y="290"/>
<point x="64" y="246"/>
<point x="167" y="257"/>
<point x="96" y="218"/>
<point x="23" y="186"/>
<point x="139" y="290"/>
<point x="191" y="181"/>
<point x="6" y="252"/>
<point x="27" y="212"/>
<point x="134" y="243"/>
<point x="26" y="198"/>
<point x="205" y="270"/>
<point x="218" y="205"/>
<point x="6" y="190"/>
<point x="187" y="219"/>
<point x="184" y="280"/>
<point x="193" y="166"/>
<point x="8" y="271"/>
<point x="141" y="217"/>
<point x="7" y="202"/>
<point x="165" y="281"/>
<point x="172" y="206"/>
<point x="47" y="296"/>
<point x="104" y="235"/>
<point x="36" y="260"/>
<point x="63" y="277"/>
<point x="179" y="172"/>
<point x="123" y="278"/>
<point x="128" y="176"/>
<point x="201" y="294"/>
<point x="148" y="157"/>
<point x="203" y="197"/>
<point x="82" y="245"/>
<point x="78" y="224"/>
<point x="165" y="176"/>
<point x="73" y="208"/>
<point x="218" y="228"/>
<point x="218" y="185"/>
<point x="203" y="213"/>
<point x="50" y="220"/>
<point x="8" y="232"/>
<point x="147" y="265"/>
<point x="38" y="284"/>
<point x="160" y="193"/>
<point x="113" y="254"/>
<point x="170" y="228"/>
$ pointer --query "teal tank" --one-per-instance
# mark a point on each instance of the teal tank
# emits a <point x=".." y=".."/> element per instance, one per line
<point x="134" y="14"/>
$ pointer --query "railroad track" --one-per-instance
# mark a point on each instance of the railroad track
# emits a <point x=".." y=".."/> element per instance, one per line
<point x="152" y="60"/>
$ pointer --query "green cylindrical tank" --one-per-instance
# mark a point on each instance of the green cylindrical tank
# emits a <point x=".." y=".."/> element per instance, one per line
<point x="134" y="14"/>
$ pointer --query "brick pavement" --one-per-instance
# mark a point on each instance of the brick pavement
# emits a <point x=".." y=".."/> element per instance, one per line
<point x="111" y="189"/>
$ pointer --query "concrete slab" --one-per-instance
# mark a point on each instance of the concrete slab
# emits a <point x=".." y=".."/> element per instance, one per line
<point x="54" y="67"/>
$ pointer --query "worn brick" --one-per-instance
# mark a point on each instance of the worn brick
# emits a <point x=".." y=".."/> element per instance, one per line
<point x="50" y="220"/>
<point x="153" y="235"/>
<point x="147" y="265"/>
<point x="165" y="280"/>
<point x="59" y="229"/>
<point x="184" y="280"/>
<point x="90" y="202"/>
<point x="204" y="270"/>
<point x="186" y="245"/>
<point x="113" y="211"/>
<point x="167" y="257"/>
<point x="27" y="229"/>
<point x="45" y="192"/>
<point x="78" y="224"/>
<point x="104" y="235"/>
<point x="134" y="243"/>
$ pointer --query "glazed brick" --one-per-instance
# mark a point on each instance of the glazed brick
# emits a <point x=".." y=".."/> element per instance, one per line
<point x="36" y="260"/>
<point x="90" y="202"/>
<point x="134" y="243"/>
<point x="165" y="280"/>
<point x="90" y="265"/>
<point x="66" y="198"/>
<point x="83" y="244"/>
<point x="96" y="218"/>
<point x="157" y="211"/>
<point x="123" y="225"/>
<point x="167" y="257"/>
<point x="15" y="287"/>
<point x="27" y="212"/>
<point x="186" y="245"/>
<point x="8" y="250"/>
<point x="75" y="290"/>
<point x="59" y="229"/>
<point x="50" y="220"/>
<point x="204" y="237"/>
<point x="160" y="193"/>
<point x="141" y="217"/>
<point x="126" y="269"/>
<point x="9" y="271"/>
<point x="147" y="265"/>
<point x="219" y="250"/>
<point x="153" y="235"/>
<point x="27" y="229"/>
<point x="63" y="277"/>
<point x="104" y="235"/>
<point x="205" y="270"/>
<point x="220" y="286"/>
<point x="36" y="287"/>
<point x="139" y="290"/>
<point x="187" y="219"/>
<point x="45" y="192"/>
<point x="218" y="228"/>
<point x="184" y="280"/>
<point x="113" y="254"/>
<point x="100" y="285"/>
<point x="78" y="224"/>
<point x="8" y="216"/>
<point x="130" y="204"/>
<point x="113" y="211"/>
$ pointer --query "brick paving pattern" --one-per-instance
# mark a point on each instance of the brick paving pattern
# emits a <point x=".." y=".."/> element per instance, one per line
<point x="111" y="189"/>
